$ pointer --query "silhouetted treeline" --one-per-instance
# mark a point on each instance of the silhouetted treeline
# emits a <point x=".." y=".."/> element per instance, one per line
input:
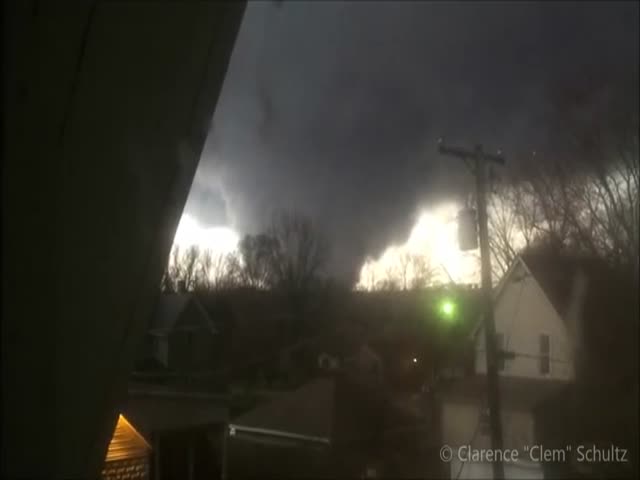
<point x="583" y="198"/>
<point x="289" y="256"/>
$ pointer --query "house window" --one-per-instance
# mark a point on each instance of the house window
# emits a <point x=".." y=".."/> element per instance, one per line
<point x="500" y="351"/>
<point x="545" y="351"/>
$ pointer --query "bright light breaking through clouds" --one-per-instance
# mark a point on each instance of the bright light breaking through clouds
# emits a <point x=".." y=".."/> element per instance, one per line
<point x="434" y="237"/>
<point x="217" y="240"/>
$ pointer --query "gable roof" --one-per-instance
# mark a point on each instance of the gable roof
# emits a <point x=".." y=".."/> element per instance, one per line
<point x="306" y="412"/>
<point x="169" y="309"/>
<point x="555" y="275"/>
<point x="126" y="442"/>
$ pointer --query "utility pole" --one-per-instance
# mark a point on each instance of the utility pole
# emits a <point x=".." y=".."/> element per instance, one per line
<point x="478" y="159"/>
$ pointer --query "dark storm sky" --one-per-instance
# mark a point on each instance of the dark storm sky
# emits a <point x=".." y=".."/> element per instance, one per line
<point x="333" y="109"/>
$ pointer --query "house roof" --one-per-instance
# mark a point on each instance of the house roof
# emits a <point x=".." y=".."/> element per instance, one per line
<point x="307" y="411"/>
<point x="160" y="409"/>
<point x="516" y="393"/>
<point x="171" y="306"/>
<point x="555" y="274"/>
<point x="609" y="310"/>
<point x="126" y="442"/>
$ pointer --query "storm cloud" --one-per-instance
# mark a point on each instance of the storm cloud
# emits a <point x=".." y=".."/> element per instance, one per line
<point x="333" y="109"/>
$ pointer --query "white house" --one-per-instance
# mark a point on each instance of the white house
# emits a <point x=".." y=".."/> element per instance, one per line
<point x="537" y="314"/>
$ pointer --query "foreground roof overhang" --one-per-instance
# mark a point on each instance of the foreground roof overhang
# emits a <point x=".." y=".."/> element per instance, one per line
<point x="107" y="106"/>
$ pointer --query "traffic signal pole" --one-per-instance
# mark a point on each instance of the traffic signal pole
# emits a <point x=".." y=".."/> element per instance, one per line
<point x="479" y="159"/>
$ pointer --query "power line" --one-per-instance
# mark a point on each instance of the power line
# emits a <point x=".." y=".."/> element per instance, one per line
<point x="534" y="356"/>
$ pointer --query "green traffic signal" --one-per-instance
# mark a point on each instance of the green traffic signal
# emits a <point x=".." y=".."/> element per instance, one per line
<point x="447" y="309"/>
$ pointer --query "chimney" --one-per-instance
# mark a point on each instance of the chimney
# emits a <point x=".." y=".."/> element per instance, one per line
<point x="182" y="286"/>
<point x="574" y="319"/>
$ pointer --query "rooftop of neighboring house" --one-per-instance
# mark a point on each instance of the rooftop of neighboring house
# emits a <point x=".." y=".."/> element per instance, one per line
<point x="253" y="321"/>
<point x="608" y="314"/>
<point x="334" y="409"/>
<point x="306" y="412"/>
<point x="256" y="322"/>
<point x="154" y="408"/>
<point x="170" y="308"/>
<point x="555" y="273"/>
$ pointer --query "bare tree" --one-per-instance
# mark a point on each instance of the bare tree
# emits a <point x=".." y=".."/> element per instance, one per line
<point x="172" y="273"/>
<point x="197" y="269"/>
<point x="299" y="252"/>
<point x="422" y="272"/>
<point x="391" y="281"/>
<point x="205" y="266"/>
<point x="368" y="278"/>
<point x="521" y="213"/>
<point x="598" y="116"/>
<point x="189" y="267"/>
<point x="502" y="229"/>
<point x="217" y="271"/>
<point x="257" y="256"/>
<point x="585" y="199"/>
<point x="407" y="271"/>
<point x="404" y="268"/>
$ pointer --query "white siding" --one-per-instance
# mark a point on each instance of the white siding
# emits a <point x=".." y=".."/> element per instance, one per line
<point x="460" y="421"/>
<point x="517" y="470"/>
<point x="522" y="314"/>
